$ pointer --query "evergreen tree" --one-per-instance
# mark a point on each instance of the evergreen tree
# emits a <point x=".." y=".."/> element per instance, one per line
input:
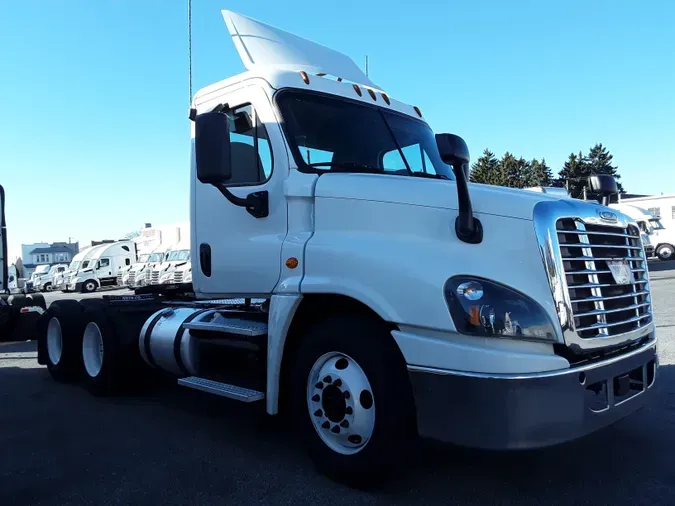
<point x="484" y="170"/>
<point x="600" y="162"/>
<point x="574" y="174"/>
<point x="512" y="170"/>
<point x="538" y="174"/>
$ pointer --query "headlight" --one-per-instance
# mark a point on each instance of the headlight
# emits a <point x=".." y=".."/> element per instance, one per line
<point x="188" y="277"/>
<point x="484" y="308"/>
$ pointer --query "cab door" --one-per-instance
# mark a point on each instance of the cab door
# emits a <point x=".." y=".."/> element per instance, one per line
<point x="235" y="253"/>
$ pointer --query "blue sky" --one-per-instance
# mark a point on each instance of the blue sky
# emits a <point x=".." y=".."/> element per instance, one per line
<point x="95" y="136"/>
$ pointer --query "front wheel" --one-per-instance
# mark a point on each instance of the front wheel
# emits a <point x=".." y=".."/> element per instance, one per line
<point x="89" y="286"/>
<point x="351" y="400"/>
<point x="47" y="287"/>
<point x="665" y="252"/>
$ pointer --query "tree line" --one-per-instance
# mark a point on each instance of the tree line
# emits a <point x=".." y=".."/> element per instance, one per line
<point x="520" y="173"/>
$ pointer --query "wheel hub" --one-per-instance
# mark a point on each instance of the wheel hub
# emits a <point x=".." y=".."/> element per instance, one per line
<point x="54" y="341"/>
<point x="341" y="403"/>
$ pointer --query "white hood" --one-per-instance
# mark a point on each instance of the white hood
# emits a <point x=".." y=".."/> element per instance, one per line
<point x="485" y="199"/>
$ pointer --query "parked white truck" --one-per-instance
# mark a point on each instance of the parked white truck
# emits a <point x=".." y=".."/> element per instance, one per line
<point x="176" y="259"/>
<point x="661" y="239"/>
<point x="104" y="263"/>
<point x="398" y="300"/>
<point x="45" y="282"/>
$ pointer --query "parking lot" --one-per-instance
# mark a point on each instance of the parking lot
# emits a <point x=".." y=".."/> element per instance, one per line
<point x="168" y="445"/>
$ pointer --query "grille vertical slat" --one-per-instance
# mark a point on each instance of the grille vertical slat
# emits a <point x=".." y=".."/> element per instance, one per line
<point x="600" y="306"/>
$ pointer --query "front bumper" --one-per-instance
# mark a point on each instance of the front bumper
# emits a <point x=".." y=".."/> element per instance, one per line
<point x="532" y="410"/>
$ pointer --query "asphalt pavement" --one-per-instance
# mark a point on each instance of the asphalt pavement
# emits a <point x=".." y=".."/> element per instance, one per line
<point x="168" y="445"/>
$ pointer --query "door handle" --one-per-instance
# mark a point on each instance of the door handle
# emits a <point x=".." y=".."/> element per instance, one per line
<point x="205" y="259"/>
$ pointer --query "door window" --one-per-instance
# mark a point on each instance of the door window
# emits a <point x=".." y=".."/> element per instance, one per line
<point x="103" y="263"/>
<point x="250" y="149"/>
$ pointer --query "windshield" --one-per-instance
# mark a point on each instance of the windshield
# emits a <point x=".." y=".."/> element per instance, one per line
<point x="656" y="224"/>
<point x="143" y="258"/>
<point x="339" y="134"/>
<point x="183" y="254"/>
<point x="41" y="269"/>
<point x="74" y="265"/>
<point x="156" y="257"/>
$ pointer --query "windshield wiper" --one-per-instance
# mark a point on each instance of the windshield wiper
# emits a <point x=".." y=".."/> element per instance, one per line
<point x="430" y="176"/>
<point x="348" y="167"/>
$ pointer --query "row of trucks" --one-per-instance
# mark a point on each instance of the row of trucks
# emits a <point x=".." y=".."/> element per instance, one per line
<point x="348" y="277"/>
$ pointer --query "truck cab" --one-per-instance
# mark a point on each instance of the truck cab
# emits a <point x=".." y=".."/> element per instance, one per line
<point x="178" y="259"/>
<point x="45" y="282"/>
<point x="103" y="266"/>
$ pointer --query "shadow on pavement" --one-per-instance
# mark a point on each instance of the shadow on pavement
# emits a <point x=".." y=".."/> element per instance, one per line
<point x="172" y="445"/>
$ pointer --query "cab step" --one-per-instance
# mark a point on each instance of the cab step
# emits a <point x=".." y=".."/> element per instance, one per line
<point x="222" y="389"/>
<point x="230" y="326"/>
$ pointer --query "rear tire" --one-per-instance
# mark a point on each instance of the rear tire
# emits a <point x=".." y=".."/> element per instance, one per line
<point x="61" y="339"/>
<point x="365" y="438"/>
<point x="101" y="353"/>
<point x="665" y="252"/>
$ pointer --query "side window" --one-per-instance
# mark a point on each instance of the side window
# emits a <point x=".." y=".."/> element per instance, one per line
<point x="251" y="152"/>
<point x="127" y="261"/>
<point x="104" y="262"/>
<point x="416" y="157"/>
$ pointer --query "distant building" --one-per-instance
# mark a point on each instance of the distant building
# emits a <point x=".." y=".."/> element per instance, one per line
<point x="42" y="253"/>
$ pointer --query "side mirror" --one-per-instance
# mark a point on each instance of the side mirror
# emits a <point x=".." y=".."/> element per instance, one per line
<point x="212" y="148"/>
<point x="98" y="265"/>
<point x="454" y="151"/>
<point x="603" y="184"/>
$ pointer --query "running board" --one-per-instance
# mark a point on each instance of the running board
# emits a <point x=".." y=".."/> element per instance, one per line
<point x="222" y="389"/>
<point x="230" y="326"/>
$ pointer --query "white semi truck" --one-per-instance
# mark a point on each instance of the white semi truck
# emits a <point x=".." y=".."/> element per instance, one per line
<point x="398" y="300"/>
<point x="104" y="264"/>
<point x="662" y="240"/>
<point x="45" y="282"/>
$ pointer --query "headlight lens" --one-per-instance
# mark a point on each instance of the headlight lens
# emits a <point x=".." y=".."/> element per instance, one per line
<point x="480" y="307"/>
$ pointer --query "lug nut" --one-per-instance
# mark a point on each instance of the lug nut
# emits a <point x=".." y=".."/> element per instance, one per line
<point x="316" y="398"/>
<point x="325" y="424"/>
<point x="346" y="394"/>
<point x="349" y="410"/>
<point x="344" y="424"/>
<point x="335" y="430"/>
<point x="319" y="385"/>
<point x="318" y="412"/>
<point x="338" y="382"/>
<point x="328" y="379"/>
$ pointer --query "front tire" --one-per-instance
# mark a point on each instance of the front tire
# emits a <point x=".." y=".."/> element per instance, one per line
<point x="665" y="252"/>
<point x="47" y="287"/>
<point x="89" y="286"/>
<point x="351" y="400"/>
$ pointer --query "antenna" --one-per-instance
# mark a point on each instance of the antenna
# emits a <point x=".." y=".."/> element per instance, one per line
<point x="366" y="65"/>
<point x="189" y="52"/>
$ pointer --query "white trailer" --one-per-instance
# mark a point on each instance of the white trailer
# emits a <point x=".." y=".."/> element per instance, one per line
<point x="104" y="264"/>
<point x="396" y="299"/>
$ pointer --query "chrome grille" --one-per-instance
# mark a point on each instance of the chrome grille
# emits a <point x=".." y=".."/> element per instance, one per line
<point x="178" y="277"/>
<point x="119" y="278"/>
<point x="131" y="281"/>
<point x="600" y="306"/>
<point x="155" y="277"/>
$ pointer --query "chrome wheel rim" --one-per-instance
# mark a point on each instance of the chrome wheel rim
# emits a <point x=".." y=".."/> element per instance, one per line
<point x="341" y="403"/>
<point x="92" y="349"/>
<point x="666" y="253"/>
<point x="54" y="341"/>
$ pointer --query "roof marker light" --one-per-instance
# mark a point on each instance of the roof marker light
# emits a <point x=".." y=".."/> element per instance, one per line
<point x="357" y="90"/>
<point x="386" y="98"/>
<point x="417" y="110"/>
<point x="372" y="94"/>
<point x="304" y="76"/>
